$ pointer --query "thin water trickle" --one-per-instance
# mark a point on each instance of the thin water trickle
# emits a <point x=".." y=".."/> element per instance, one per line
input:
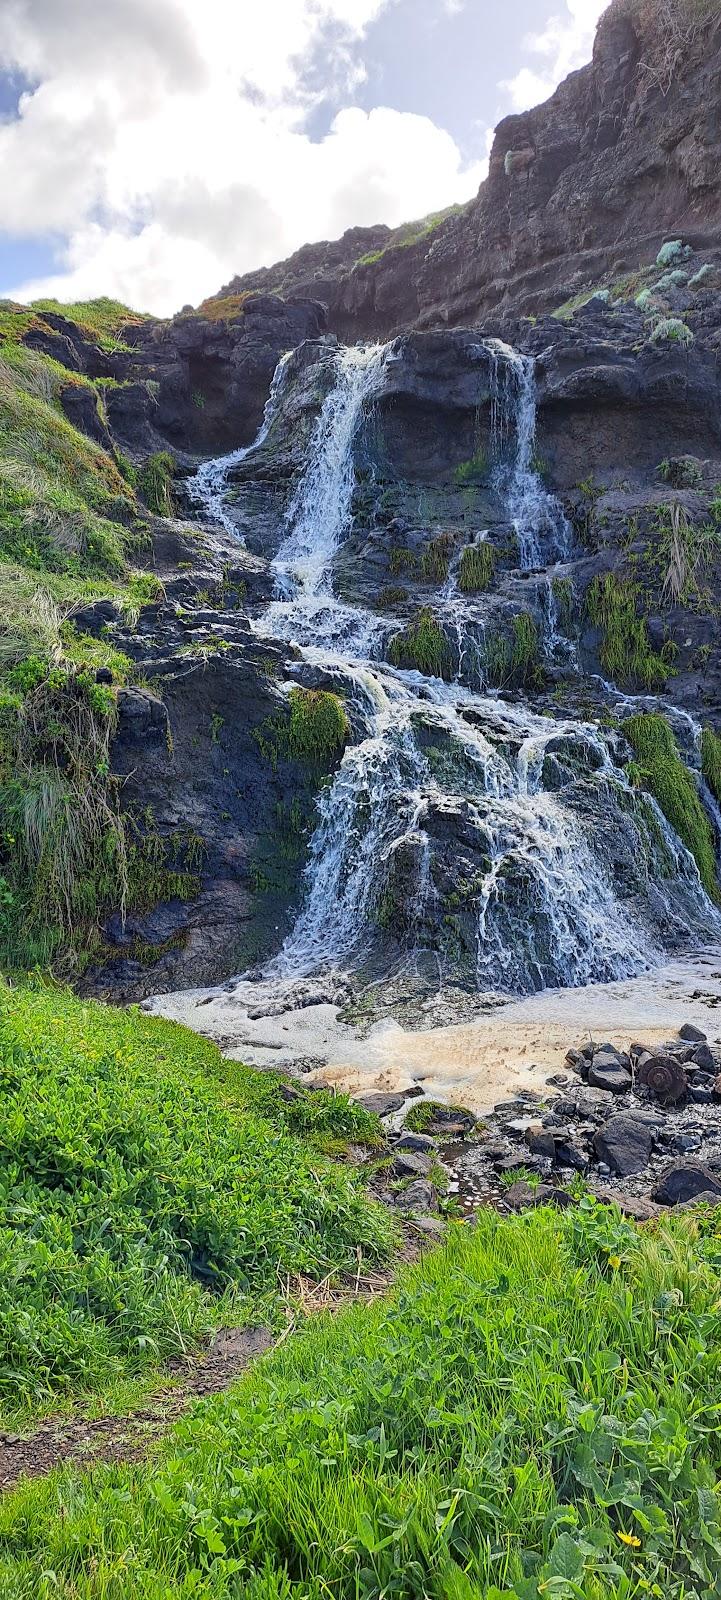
<point x="543" y="806"/>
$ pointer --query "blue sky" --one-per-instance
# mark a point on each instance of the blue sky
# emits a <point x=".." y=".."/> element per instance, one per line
<point x="152" y="151"/>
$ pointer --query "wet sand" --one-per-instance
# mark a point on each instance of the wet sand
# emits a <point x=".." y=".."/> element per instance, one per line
<point x="516" y="1046"/>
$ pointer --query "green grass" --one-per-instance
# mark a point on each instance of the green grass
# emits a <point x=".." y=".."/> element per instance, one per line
<point x="514" y="661"/>
<point x="625" y="651"/>
<point x="101" y="321"/>
<point x="477" y="567"/>
<point x="69" y="533"/>
<point x="533" y="1413"/>
<point x="711" y="761"/>
<point x="436" y="558"/>
<point x="664" y="775"/>
<point x="155" y="483"/>
<point x="141" y="1180"/>
<point x="422" y="647"/>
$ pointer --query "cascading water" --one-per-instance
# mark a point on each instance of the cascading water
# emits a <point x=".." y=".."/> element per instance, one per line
<point x="208" y="488"/>
<point x="537" y="517"/>
<point x="531" y="799"/>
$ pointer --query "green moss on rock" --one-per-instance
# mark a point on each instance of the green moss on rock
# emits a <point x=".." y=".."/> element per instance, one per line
<point x="711" y="761"/>
<point x="665" y="777"/>
<point x="319" y="728"/>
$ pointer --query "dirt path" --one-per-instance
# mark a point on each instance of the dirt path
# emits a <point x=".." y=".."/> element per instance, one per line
<point x="84" y="1441"/>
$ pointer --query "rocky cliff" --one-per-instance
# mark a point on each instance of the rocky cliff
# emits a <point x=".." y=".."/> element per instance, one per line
<point x="582" y="189"/>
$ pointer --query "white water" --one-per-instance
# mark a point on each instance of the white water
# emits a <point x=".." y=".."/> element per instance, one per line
<point x="208" y="488"/>
<point x="541" y="528"/>
<point x="550" y="911"/>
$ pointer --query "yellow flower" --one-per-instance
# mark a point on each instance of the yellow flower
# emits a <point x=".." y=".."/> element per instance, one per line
<point x="630" y="1539"/>
<point x="615" y="1262"/>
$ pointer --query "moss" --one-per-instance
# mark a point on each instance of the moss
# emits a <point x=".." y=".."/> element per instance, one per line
<point x="436" y="558"/>
<point x="155" y="483"/>
<point x="224" y="308"/>
<point x="474" y="470"/>
<point x="667" y="779"/>
<point x="422" y="646"/>
<point x="477" y="566"/>
<point x="625" y="651"/>
<point x="319" y="727"/>
<point x="391" y="595"/>
<point x="711" y="761"/>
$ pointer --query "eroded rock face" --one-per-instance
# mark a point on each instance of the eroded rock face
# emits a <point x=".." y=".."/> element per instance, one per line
<point x="624" y="155"/>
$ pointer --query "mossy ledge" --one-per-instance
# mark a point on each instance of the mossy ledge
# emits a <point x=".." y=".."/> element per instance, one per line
<point x="664" y="775"/>
<point x="422" y="647"/>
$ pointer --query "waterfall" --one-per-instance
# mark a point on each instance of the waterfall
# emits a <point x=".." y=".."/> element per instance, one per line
<point x="573" y="876"/>
<point x="209" y="485"/>
<point x="541" y="528"/>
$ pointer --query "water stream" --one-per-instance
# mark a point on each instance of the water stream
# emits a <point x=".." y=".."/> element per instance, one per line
<point x="540" y="804"/>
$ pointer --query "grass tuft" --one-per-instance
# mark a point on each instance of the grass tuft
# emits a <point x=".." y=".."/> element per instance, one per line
<point x="625" y="652"/>
<point x="422" y="647"/>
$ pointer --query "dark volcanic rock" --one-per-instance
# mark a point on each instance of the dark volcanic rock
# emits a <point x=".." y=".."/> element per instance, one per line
<point x="624" y="154"/>
<point x="625" y="1143"/>
<point x="686" y="1180"/>
<point x="382" y="1104"/>
<point x="411" y="1164"/>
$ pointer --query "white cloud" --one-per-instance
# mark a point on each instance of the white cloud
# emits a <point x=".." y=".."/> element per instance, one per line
<point x="166" y="142"/>
<point x="565" y="43"/>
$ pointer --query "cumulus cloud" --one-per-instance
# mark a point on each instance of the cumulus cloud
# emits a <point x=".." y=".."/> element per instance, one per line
<point x="562" y="45"/>
<point x="165" y="144"/>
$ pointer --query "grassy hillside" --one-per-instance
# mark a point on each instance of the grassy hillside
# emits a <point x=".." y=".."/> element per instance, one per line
<point x="534" y="1413"/>
<point x="149" y="1192"/>
<point x="72" y="529"/>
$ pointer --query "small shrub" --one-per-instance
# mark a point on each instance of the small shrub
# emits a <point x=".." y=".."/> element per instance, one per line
<point x="673" y="250"/>
<point x="668" y="780"/>
<point x="477" y="567"/>
<point x="422" y="646"/>
<point x="671" y="330"/>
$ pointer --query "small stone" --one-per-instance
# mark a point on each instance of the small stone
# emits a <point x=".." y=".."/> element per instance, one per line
<point x="692" y="1034"/>
<point x="435" y="1227"/>
<point x="519" y="1196"/>
<point x="685" y="1143"/>
<point x="568" y="1155"/>
<point x="511" y="1164"/>
<point x="703" y="1058"/>
<point x="548" y="1194"/>
<point x="700" y="1097"/>
<point x="541" y="1142"/>
<point x="684" y="1181"/>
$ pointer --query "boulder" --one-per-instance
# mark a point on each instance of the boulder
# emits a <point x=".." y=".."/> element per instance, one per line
<point x="419" y="1196"/>
<point x="541" y="1142"/>
<point x="410" y="1164"/>
<point x="415" y="1141"/>
<point x="691" y="1034"/>
<point x="625" y="1144"/>
<point x="632" y="1205"/>
<point x="610" y="1070"/>
<point x="686" y="1180"/>
<point x="382" y="1104"/>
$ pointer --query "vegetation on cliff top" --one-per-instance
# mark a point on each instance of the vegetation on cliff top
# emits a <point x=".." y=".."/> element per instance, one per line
<point x="532" y="1413"/>
<point x="663" y="773"/>
<point x="142" y="1178"/>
